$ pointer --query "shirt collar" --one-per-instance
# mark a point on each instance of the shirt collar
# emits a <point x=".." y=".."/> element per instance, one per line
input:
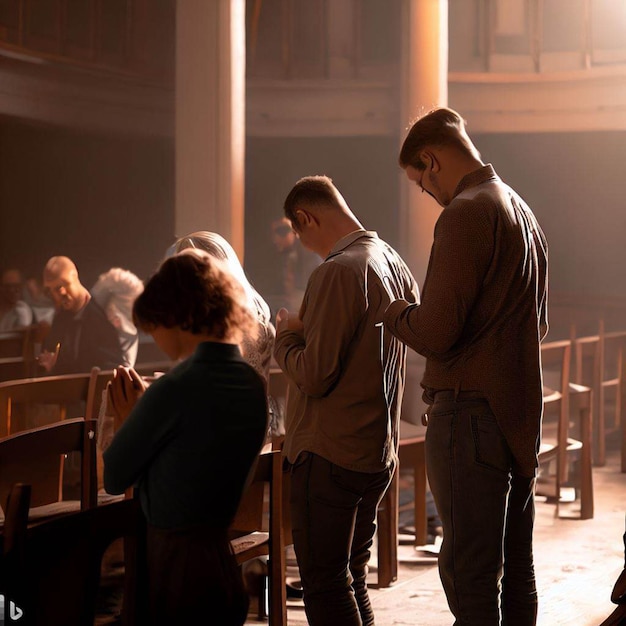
<point x="208" y="350"/>
<point x="350" y="238"/>
<point x="477" y="177"/>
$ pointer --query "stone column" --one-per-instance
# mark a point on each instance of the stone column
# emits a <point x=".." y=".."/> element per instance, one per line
<point x="424" y="86"/>
<point x="210" y="118"/>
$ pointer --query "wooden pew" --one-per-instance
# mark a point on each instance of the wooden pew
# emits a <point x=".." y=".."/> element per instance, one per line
<point x="412" y="454"/>
<point x="17" y="353"/>
<point x="252" y="535"/>
<point x="37" y="456"/>
<point x="51" y="569"/>
<point x="21" y="401"/>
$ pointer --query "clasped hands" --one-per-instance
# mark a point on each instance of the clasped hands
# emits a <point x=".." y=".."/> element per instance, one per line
<point x="288" y="321"/>
<point x="123" y="392"/>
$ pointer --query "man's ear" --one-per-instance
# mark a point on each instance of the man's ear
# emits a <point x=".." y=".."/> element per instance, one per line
<point x="302" y="218"/>
<point x="430" y="160"/>
<point x="305" y="218"/>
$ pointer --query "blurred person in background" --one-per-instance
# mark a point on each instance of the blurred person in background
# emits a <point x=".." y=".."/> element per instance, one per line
<point x="256" y="350"/>
<point x="35" y="296"/>
<point x="81" y="336"/>
<point x="294" y="264"/>
<point x="115" y="291"/>
<point x="14" y="312"/>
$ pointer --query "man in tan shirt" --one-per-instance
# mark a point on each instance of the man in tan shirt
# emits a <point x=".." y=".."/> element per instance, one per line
<point x="346" y="377"/>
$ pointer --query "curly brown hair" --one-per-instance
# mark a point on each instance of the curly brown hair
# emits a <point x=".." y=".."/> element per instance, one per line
<point x="196" y="293"/>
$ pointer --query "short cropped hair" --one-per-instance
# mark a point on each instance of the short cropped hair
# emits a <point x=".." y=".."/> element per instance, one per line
<point x="195" y="292"/>
<point x="311" y="190"/>
<point x="439" y="127"/>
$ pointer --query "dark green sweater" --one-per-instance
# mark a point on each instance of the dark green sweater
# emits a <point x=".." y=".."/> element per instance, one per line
<point x="192" y="439"/>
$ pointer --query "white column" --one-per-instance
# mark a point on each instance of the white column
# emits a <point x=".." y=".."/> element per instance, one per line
<point x="424" y="86"/>
<point x="210" y="118"/>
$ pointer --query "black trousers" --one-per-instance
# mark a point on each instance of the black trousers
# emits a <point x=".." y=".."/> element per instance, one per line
<point x="333" y="513"/>
<point x="193" y="578"/>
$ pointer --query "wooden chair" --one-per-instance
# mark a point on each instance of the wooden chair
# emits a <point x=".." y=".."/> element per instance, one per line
<point x="252" y="535"/>
<point x="411" y="452"/>
<point x="17" y="353"/>
<point x="22" y="401"/>
<point x="36" y="457"/>
<point x="562" y="401"/>
<point x="51" y="569"/>
<point x="600" y="362"/>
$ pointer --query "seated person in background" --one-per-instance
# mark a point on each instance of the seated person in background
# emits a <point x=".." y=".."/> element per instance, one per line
<point x="189" y="441"/>
<point x="14" y="312"/>
<point x="39" y="302"/>
<point x="81" y="336"/>
<point x="256" y="348"/>
<point x="115" y="291"/>
<point x="295" y="264"/>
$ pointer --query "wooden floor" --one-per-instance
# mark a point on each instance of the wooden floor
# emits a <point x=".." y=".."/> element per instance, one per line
<point x="576" y="562"/>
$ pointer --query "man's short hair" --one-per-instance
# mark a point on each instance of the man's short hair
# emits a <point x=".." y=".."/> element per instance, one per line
<point x="311" y="191"/>
<point x="439" y="127"/>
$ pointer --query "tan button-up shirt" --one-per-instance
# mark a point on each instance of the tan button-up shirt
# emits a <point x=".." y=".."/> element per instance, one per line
<point x="346" y="371"/>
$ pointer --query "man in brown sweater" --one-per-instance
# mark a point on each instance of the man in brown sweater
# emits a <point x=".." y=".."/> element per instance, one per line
<point x="346" y="378"/>
<point x="479" y="325"/>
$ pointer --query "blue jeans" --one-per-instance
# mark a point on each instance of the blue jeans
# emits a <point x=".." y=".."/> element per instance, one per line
<point x="333" y="512"/>
<point x="487" y="514"/>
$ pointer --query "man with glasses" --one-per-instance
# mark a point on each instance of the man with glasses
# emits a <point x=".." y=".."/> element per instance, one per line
<point x="479" y="324"/>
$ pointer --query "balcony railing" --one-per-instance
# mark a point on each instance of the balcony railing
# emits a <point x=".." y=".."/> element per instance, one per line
<point x="126" y="37"/>
<point x="322" y="39"/>
<point x="536" y="35"/>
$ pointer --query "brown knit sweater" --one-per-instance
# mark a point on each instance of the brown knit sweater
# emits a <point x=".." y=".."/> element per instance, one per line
<point x="483" y="309"/>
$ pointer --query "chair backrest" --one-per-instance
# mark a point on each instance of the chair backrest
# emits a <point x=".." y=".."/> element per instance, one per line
<point x="600" y="363"/>
<point x="31" y="402"/>
<point x="51" y="569"/>
<point x="36" y="457"/>
<point x="17" y="354"/>
<point x="258" y="514"/>
<point x="278" y="391"/>
<point x="556" y="366"/>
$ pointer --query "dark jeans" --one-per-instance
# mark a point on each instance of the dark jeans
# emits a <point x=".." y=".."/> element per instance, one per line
<point x="487" y="514"/>
<point x="333" y="512"/>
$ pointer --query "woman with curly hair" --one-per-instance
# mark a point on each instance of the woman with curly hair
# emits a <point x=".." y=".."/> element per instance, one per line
<point x="177" y="436"/>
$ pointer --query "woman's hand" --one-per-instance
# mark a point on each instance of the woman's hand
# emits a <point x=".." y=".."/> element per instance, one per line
<point x="123" y="392"/>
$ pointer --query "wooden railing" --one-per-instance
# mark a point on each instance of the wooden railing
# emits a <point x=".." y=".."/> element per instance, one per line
<point x="128" y="37"/>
